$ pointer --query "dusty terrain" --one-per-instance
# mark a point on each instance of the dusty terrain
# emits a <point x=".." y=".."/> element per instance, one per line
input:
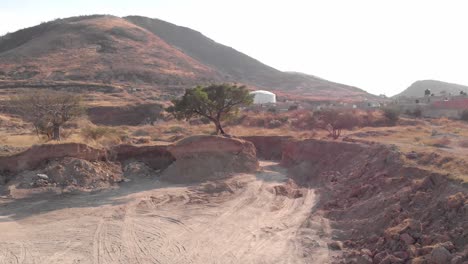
<point x="248" y="218"/>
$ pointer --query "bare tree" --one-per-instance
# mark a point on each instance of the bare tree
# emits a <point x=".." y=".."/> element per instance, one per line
<point x="47" y="110"/>
<point x="335" y="121"/>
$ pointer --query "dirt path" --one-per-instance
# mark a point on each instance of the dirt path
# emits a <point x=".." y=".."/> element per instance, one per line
<point x="239" y="220"/>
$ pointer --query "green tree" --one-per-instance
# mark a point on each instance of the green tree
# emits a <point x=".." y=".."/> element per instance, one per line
<point x="47" y="110"/>
<point x="214" y="102"/>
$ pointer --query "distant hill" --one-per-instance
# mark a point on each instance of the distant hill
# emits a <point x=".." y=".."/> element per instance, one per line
<point x="147" y="53"/>
<point x="437" y="87"/>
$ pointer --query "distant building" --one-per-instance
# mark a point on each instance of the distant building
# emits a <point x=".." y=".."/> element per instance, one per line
<point x="459" y="103"/>
<point x="264" y="97"/>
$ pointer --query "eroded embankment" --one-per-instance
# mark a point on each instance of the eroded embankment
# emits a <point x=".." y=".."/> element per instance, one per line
<point x="73" y="166"/>
<point x="381" y="210"/>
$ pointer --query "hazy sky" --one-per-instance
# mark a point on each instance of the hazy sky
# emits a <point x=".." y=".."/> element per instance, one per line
<point x="380" y="46"/>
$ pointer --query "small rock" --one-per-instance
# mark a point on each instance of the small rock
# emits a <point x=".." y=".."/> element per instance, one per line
<point x="391" y="259"/>
<point x="42" y="176"/>
<point x="457" y="260"/>
<point x="401" y="255"/>
<point x="364" y="259"/>
<point x="366" y="251"/>
<point x="448" y="245"/>
<point x="407" y="239"/>
<point x="425" y="250"/>
<point x="412" y="251"/>
<point x="455" y="201"/>
<point x="412" y="155"/>
<point x="380" y="256"/>
<point x="440" y="255"/>
<point x="335" y="245"/>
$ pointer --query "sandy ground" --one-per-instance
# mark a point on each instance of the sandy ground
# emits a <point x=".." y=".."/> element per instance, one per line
<point x="239" y="220"/>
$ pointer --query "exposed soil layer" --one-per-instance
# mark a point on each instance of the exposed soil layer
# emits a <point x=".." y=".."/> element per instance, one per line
<point x="156" y="157"/>
<point x="268" y="147"/>
<point x="201" y="158"/>
<point x="382" y="211"/>
<point x="37" y="155"/>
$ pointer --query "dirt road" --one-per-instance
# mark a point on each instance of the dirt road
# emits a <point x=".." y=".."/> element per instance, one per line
<point x="244" y="219"/>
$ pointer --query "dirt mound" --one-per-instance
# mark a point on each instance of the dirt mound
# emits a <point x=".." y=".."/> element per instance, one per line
<point x="138" y="169"/>
<point x="201" y="158"/>
<point x="32" y="158"/>
<point x="83" y="173"/>
<point x="67" y="174"/>
<point x="381" y="210"/>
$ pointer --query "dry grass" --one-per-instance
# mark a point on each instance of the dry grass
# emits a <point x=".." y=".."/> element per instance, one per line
<point x="438" y="142"/>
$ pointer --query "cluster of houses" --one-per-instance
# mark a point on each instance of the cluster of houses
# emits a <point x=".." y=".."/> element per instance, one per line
<point x="430" y="105"/>
<point x="267" y="100"/>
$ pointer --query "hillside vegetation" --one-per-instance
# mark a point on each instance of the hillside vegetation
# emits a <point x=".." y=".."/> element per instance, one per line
<point x="147" y="53"/>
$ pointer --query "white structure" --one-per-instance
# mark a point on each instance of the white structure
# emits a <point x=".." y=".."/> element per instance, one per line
<point x="264" y="97"/>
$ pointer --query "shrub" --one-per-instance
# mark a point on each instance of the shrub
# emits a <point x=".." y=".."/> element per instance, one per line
<point x="174" y="130"/>
<point x="464" y="115"/>
<point x="274" y="123"/>
<point x="303" y="120"/>
<point x="415" y="113"/>
<point x="293" y="107"/>
<point x="440" y="142"/>
<point x="272" y="110"/>
<point x="391" y="114"/>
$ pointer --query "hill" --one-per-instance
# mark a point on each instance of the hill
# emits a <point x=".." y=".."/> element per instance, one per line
<point x="148" y="53"/>
<point x="437" y="87"/>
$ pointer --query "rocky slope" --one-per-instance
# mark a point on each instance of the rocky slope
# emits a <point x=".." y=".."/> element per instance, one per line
<point x="143" y="52"/>
<point x="437" y="88"/>
<point x="381" y="210"/>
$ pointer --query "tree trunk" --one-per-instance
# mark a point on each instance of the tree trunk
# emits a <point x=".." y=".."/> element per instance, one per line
<point x="219" y="128"/>
<point x="56" y="132"/>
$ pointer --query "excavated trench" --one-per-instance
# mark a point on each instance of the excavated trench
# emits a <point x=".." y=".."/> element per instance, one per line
<point x="330" y="202"/>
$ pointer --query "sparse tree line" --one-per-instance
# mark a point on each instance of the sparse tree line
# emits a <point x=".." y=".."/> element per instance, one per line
<point x="49" y="110"/>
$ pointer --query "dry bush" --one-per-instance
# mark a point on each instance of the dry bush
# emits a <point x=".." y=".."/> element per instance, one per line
<point x="392" y="115"/>
<point x="303" y="120"/>
<point x="439" y="142"/>
<point x="335" y="121"/>
<point x="174" y="130"/>
<point x="102" y="135"/>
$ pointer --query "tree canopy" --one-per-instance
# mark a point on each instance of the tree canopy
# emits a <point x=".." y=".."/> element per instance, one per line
<point x="335" y="121"/>
<point x="214" y="102"/>
<point x="47" y="110"/>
